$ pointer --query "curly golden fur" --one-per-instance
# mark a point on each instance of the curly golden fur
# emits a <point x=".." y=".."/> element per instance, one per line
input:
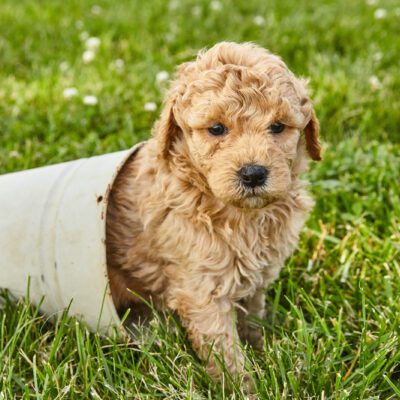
<point x="182" y="229"/>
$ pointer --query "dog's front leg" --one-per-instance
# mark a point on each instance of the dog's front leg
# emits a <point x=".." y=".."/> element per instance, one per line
<point x="211" y="327"/>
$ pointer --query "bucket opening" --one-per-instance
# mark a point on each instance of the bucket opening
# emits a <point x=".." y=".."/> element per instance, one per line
<point x="121" y="228"/>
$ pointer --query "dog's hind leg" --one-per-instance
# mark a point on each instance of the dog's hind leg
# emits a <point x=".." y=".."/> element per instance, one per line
<point x="249" y="331"/>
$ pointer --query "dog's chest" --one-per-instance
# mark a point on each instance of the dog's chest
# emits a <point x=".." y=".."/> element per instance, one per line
<point x="255" y="249"/>
<point x="232" y="255"/>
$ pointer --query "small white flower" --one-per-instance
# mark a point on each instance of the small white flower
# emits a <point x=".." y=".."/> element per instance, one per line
<point x="380" y="13"/>
<point x="14" y="154"/>
<point x="70" y="92"/>
<point x="216" y="5"/>
<point x="374" y="82"/>
<point x="83" y="36"/>
<point x="162" y="76"/>
<point x="169" y="37"/>
<point x="377" y="56"/>
<point x="90" y="100"/>
<point x="88" y="56"/>
<point x="15" y="111"/>
<point x="151" y="106"/>
<point x="196" y="11"/>
<point x="79" y="24"/>
<point x="93" y="43"/>
<point x="174" y="28"/>
<point x="96" y="10"/>
<point x="372" y="2"/>
<point x="259" y="20"/>
<point x="173" y="5"/>
<point x="64" y="66"/>
<point x="118" y="64"/>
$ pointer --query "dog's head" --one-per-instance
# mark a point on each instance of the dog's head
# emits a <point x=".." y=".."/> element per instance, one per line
<point x="242" y="120"/>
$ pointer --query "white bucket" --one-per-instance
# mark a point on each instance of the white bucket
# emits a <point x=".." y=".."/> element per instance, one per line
<point x="53" y="231"/>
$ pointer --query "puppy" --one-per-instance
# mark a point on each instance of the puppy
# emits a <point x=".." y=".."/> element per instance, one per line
<point x="203" y="217"/>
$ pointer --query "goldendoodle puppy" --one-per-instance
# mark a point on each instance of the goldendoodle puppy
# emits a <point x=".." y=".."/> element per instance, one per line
<point x="203" y="217"/>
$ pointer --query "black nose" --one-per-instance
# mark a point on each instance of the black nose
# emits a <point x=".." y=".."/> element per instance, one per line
<point x="253" y="175"/>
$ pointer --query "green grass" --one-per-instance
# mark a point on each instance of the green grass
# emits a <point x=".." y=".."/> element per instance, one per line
<point x="333" y="326"/>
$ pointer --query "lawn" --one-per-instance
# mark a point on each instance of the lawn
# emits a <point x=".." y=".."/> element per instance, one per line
<point x="333" y="325"/>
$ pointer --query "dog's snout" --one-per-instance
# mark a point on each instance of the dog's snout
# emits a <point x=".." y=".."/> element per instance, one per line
<point x="252" y="175"/>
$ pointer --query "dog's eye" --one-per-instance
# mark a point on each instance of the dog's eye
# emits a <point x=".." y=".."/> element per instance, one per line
<point x="277" y="127"/>
<point x="217" y="129"/>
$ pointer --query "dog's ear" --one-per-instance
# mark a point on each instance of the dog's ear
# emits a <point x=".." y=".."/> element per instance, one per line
<point x="311" y="133"/>
<point x="166" y="129"/>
